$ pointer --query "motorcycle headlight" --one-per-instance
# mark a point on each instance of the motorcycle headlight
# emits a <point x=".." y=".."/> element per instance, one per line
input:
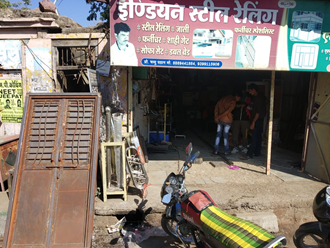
<point x="165" y="185"/>
<point x="169" y="189"/>
<point x="327" y="195"/>
<point x="321" y="205"/>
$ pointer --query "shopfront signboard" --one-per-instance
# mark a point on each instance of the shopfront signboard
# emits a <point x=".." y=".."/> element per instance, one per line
<point x="236" y="34"/>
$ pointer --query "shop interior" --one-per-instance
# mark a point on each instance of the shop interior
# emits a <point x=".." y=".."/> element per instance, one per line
<point x="189" y="97"/>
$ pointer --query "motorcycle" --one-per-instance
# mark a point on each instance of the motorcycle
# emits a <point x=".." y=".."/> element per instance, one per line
<point x="193" y="217"/>
<point x="317" y="233"/>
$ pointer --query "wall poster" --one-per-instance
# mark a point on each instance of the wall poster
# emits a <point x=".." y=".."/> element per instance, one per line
<point x="11" y="100"/>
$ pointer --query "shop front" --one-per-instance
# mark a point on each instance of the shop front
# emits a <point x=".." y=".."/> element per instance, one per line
<point x="194" y="53"/>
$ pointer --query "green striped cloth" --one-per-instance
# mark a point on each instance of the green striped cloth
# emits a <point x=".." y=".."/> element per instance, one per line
<point x="232" y="231"/>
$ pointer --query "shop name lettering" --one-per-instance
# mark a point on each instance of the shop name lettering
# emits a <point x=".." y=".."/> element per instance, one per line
<point x="9" y="93"/>
<point x="257" y="30"/>
<point x="170" y="40"/>
<point x="161" y="51"/>
<point x="206" y="13"/>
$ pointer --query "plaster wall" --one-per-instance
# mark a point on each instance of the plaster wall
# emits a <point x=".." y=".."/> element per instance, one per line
<point x="39" y="78"/>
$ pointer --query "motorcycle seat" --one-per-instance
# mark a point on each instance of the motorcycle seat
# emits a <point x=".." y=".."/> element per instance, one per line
<point x="234" y="232"/>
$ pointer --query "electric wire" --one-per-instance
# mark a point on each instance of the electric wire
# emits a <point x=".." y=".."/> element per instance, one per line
<point x="36" y="58"/>
<point x="59" y="3"/>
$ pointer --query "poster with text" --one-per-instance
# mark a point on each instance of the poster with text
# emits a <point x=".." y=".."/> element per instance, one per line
<point x="11" y="97"/>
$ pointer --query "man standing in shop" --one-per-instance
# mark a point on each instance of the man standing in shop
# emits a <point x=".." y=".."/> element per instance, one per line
<point x="122" y="51"/>
<point x="257" y="120"/>
<point x="241" y="123"/>
<point x="223" y="117"/>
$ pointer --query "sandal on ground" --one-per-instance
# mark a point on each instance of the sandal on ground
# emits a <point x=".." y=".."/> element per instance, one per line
<point x="245" y="157"/>
<point x="227" y="153"/>
<point x="215" y="153"/>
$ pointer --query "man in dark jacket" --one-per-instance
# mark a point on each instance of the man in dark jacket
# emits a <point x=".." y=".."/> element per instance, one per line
<point x="223" y="117"/>
<point x="257" y="120"/>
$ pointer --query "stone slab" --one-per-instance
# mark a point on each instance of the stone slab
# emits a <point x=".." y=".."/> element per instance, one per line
<point x="218" y="180"/>
<point x="4" y="202"/>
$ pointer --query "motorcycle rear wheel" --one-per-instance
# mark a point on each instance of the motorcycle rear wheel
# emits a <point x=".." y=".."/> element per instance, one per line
<point x="312" y="238"/>
<point x="169" y="227"/>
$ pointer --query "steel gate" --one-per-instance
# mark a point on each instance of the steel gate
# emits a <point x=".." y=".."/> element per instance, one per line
<point x="52" y="204"/>
<point x="316" y="157"/>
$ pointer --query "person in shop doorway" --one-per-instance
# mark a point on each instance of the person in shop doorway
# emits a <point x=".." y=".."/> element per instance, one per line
<point x="241" y="123"/>
<point x="122" y="51"/>
<point x="223" y="117"/>
<point x="258" y="114"/>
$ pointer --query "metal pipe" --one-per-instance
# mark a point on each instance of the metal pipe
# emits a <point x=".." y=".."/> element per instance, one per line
<point x="319" y="148"/>
<point x="108" y="149"/>
<point x="311" y="98"/>
<point x="270" y="124"/>
<point x="108" y="123"/>
<point x="319" y="109"/>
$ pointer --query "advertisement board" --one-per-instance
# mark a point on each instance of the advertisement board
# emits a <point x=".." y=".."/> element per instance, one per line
<point x="308" y="39"/>
<point x="195" y="34"/>
<point x="236" y="34"/>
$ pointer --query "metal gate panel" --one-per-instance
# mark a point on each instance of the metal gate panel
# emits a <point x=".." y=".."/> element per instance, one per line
<point x="55" y="172"/>
<point x="318" y="142"/>
<point x="72" y="201"/>
<point x="42" y="133"/>
<point x="32" y="214"/>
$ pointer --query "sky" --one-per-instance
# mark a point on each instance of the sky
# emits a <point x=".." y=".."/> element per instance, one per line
<point x="77" y="10"/>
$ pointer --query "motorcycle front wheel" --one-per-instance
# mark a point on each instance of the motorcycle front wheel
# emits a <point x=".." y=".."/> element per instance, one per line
<point x="169" y="226"/>
<point x="312" y="238"/>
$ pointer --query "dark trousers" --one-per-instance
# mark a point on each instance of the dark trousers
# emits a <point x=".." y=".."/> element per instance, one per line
<point x="238" y="126"/>
<point x="255" y="147"/>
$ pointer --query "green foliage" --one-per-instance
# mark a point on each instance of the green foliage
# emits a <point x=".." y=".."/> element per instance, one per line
<point x="98" y="8"/>
<point x="4" y="4"/>
<point x="17" y="5"/>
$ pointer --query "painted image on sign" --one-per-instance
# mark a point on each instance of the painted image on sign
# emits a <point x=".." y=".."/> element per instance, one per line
<point x="122" y="51"/>
<point x="304" y="56"/>
<point x="253" y="51"/>
<point x="212" y="43"/>
<point x="11" y="95"/>
<point x="306" y="26"/>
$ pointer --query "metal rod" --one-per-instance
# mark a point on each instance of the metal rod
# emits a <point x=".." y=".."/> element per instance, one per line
<point x="311" y="96"/>
<point x="130" y="99"/>
<point x="1" y="181"/>
<point x="270" y="124"/>
<point x="108" y="149"/>
<point x="322" y="105"/>
<point x="319" y="148"/>
<point x="321" y="122"/>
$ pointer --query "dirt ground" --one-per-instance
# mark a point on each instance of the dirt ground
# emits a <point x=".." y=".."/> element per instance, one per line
<point x="288" y="224"/>
<point x="286" y="191"/>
